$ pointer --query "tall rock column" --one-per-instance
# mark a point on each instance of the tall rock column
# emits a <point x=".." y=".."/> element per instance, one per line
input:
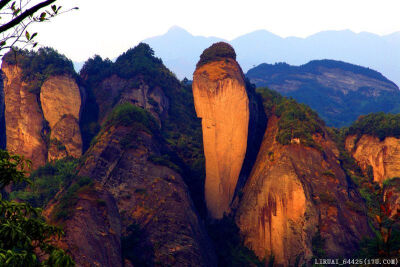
<point x="222" y="103"/>
<point x="23" y="117"/>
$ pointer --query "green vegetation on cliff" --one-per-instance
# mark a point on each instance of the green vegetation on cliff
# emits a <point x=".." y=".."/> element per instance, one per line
<point x="217" y="51"/>
<point x="128" y="114"/>
<point x="379" y="124"/>
<point x="180" y="135"/>
<point x="23" y="231"/>
<point x="38" y="66"/>
<point x="46" y="182"/>
<point x="295" y="120"/>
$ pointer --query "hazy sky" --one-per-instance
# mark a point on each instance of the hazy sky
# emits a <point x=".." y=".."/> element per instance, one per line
<point x="99" y="27"/>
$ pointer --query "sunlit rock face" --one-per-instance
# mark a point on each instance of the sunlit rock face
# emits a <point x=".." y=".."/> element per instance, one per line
<point x="23" y="118"/>
<point x="382" y="156"/>
<point x="61" y="103"/>
<point x="222" y="103"/>
<point x="295" y="194"/>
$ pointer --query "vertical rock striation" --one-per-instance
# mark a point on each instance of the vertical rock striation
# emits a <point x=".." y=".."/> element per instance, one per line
<point x="382" y="156"/>
<point x="295" y="195"/>
<point x="23" y="118"/>
<point x="222" y="103"/>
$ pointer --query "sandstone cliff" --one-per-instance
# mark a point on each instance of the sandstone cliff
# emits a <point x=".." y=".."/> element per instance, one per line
<point x="41" y="123"/>
<point x="61" y="103"/>
<point x="23" y="118"/>
<point x="114" y="90"/>
<point x="222" y="103"/>
<point x="92" y="229"/>
<point x="150" y="197"/>
<point x="295" y="196"/>
<point x="382" y="156"/>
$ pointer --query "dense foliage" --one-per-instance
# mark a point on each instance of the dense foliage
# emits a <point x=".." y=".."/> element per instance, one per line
<point x="215" y="52"/>
<point x="128" y="114"/>
<point x="46" y="181"/>
<point x="379" y="124"/>
<point x="38" y="66"/>
<point x="295" y="120"/>
<point x="309" y="85"/>
<point x="23" y="231"/>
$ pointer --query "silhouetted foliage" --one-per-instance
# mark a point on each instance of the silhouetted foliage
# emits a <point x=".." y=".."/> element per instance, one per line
<point x="230" y="248"/>
<point x="23" y="231"/>
<point x="217" y="51"/>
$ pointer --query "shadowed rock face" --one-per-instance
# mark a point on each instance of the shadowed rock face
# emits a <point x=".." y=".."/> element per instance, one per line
<point x="115" y="90"/>
<point x="150" y="196"/>
<point x="382" y="156"/>
<point x="65" y="138"/>
<point x="93" y="230"/>
<point x="23" y="117"/>
<point x="391" y="194"/>
<point x="292" y="193"/>
<point x="222" y="103"/>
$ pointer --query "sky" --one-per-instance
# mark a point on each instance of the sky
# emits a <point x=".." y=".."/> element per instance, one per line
<point x="109" y="28"/>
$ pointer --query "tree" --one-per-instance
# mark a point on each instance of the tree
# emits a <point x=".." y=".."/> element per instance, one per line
<point x="24" y="234"/>
<point x="16" y="16"/>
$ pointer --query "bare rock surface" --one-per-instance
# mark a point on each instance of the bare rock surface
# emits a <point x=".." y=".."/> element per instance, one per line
<point x="23" y="118"/>
<point x="222" y="103"/>
<point x="295" y="194"/>
<point x="382" y="156"/>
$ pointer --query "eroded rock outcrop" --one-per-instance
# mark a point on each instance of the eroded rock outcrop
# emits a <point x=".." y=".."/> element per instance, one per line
<point x="23" y="118"/>
<point x="61" y="103"/>
<point x="222" y="103"/>
<point x="115" y="90"/>
<point x="151" y="198"/>
<point x="382" y="156"/>
<point x="92" y="230"/>
<point x="296" y="194"/>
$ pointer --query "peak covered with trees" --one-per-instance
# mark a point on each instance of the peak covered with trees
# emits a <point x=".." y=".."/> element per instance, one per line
<point x="340" y="92"/>
<point x="217" y="51"/>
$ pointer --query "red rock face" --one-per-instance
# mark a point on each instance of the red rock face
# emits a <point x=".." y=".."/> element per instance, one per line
<point x="150" y="196"/>
<point x="222" y="103"/>
<point x="291" y="193"/>
<point x="382" y="156"/>
<point x="23" y="117"/>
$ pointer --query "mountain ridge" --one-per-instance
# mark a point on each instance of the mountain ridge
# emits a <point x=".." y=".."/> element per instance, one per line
<point x="260" y="46"/>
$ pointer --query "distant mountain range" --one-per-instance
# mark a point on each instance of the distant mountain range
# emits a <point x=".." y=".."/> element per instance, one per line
<point x="180" y="50"/>
<point x="340" y="92"/>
